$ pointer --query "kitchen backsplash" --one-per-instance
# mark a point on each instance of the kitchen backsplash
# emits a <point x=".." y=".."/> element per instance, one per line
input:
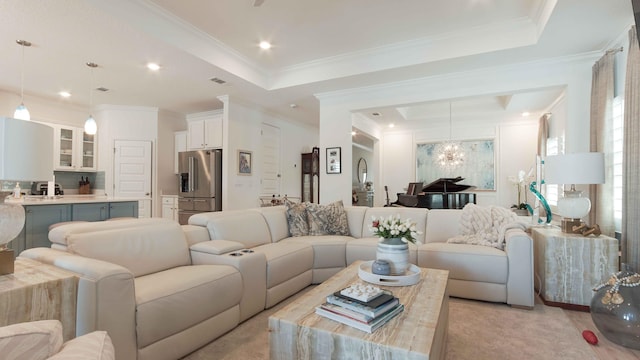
<point x="68" y="180"/>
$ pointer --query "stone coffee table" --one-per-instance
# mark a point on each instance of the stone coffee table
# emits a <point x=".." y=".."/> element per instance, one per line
<point x="419" y="332"/>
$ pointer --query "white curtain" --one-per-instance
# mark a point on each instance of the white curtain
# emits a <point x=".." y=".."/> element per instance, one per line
<point x="601" y="141"/>
<point x="631" y="158"/>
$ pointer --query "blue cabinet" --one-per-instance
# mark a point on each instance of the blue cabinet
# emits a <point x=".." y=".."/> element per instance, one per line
<point x="90" y="211"/>
<point x="123" y="209"/>
<point x="38" y="218"/>
<point x="37" y="221"/>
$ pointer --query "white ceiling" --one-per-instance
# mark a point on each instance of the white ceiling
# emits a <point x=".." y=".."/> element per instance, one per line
<point x="318" y="46"/>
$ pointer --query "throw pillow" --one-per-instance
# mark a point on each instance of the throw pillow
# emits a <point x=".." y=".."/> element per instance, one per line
<point x="297" y="218"/>
<point x="328" y="219"/>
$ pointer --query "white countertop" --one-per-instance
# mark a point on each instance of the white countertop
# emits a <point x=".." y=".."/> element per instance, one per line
<point x="68" y="199"/>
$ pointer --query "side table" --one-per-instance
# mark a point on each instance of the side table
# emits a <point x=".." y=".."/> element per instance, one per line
<point x="38" y="291"/>
<point x="569" y="266"/>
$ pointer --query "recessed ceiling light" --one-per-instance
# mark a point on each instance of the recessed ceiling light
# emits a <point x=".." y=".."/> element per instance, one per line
<point x="526" y="113"/>
<point x="293" y="106"/>
<point x="265" y="45"/>
<point x="64" y="94"/>
<point x="353" y="133"/>
<point x="153" y="66"/>
<point x="392" y="125"/>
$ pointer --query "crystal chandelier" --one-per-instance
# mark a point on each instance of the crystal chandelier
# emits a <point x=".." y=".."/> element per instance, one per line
<point x="449" y="154"/>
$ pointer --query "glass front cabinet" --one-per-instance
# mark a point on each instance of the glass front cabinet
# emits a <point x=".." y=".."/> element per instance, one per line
<point x="75" y="149"/>
<point x="311" y="176"/>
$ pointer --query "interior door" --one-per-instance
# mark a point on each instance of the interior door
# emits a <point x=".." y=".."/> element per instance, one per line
<point x="270" y="180"/>
<point x="132" y="172"/>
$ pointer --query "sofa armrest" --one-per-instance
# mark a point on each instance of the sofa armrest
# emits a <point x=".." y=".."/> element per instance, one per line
<point x="519" y="249"/>
<point x="251" y="265"/>
<point x="217" y="247"/>
<point x="195" y="234"/>
<point x="106" y="297"/>
<point x="96" y="345"/>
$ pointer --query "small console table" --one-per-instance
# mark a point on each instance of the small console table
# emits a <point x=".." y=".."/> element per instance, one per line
<point x="38" y="291"/>
<point x="569" y="266"/>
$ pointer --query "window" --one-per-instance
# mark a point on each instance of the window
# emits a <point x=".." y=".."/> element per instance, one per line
<point x="617" y="133"/>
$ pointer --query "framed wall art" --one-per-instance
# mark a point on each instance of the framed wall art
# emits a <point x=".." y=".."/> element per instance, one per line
<point x="478" y="169"/>
<point x="334" y="160"/>
<point x="244" y="162"/>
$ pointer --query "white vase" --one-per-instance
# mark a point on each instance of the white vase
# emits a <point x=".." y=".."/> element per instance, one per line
<point x="396" y="252"/>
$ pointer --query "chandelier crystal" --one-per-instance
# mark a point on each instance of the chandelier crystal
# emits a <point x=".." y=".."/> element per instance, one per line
<point x="449" y="155"/>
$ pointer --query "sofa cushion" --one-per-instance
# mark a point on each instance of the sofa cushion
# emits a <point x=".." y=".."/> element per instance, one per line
<point x="142" y="250"/>
<point x="442" y="224"/>
<point x="173" y="300"/>
<point x="247" y="226"/>
<point x="466" y="262"/>
<point x="286" y="260"/>
<point x="328" y="250"/>
<point x="355" y="216"/>
<point x="328" y="219"/>
<point x="96" y="345"/>
<point x="34" y="340"/>
<point x="297" y="218"/>
<point x="59" y="234"/>
<point x="276" y="218"/>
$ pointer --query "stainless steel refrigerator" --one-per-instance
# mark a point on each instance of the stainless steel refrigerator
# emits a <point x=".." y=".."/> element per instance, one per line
<point x="200" y="182"/>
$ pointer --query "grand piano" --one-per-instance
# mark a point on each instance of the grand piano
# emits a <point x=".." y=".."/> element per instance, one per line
<point x="443" y="193"/>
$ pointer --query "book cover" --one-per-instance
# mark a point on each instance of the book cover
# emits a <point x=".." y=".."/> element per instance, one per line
<point x="363" y="309"/>
<point x="386" y="296"/>
<point x="370" y="327"/>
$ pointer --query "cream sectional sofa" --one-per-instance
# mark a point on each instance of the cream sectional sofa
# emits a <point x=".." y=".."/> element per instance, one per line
<point x="138" y="283"/>
<point x="162" y="290"/>
<point x="475" y="272"/>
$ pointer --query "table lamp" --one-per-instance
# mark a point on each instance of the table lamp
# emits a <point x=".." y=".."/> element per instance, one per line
<point x="573" y="169"/>
<point x="23" y="146"/>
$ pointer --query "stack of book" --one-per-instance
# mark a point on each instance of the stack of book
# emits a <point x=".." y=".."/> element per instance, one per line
<point x="364" y="307"/>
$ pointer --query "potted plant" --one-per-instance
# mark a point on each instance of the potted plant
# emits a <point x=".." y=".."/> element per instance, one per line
<point x="394" y="235"/>
<point x="521" y="182"/>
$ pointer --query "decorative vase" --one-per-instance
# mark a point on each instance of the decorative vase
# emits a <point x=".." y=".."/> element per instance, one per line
<point x="615" y="309"/>
<point x="396" y="252"/>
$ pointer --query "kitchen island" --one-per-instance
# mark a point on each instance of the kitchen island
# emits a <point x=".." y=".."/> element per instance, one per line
<point x="42" y="212"/>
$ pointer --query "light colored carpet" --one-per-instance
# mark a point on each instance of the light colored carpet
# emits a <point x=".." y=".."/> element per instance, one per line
<point x="477" y="330"/>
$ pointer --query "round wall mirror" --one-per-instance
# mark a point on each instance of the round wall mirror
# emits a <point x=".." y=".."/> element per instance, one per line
<point x="362" y="170"/>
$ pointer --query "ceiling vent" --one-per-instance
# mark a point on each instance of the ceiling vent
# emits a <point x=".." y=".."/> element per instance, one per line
<point x="103" y="89"/>
<point x="218" y="80"/>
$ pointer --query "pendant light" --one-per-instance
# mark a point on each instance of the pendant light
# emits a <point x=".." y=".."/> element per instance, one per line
<point x="21" y="111"/>
<point x="449" y="154"/>
<point x="90" y="126"/>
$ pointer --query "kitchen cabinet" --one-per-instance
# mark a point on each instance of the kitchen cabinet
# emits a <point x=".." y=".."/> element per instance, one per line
<point x="38" y="218"/>
<point x="179" y="144"/>
<point x="123" y="209"/>
<point x="170" y="207"/>
<point x="90" y="211"/>
<point x="74" y="150"/>
<point x="36" y="225"/>
<point x="204" y="131"/>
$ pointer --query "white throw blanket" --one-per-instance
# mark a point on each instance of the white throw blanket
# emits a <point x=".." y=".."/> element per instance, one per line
<point x="485" y="225"/>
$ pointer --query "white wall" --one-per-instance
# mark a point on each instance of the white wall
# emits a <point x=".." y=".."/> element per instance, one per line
<point x="397" y="154"/>
<point x="241" y="126"/>
<point x="127" y="123"/>
<point x="168" y="124"/>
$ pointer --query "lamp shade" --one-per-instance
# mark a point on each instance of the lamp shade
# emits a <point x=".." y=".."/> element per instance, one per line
<point x="25" y="150"/>
<point x="575" y="168"/>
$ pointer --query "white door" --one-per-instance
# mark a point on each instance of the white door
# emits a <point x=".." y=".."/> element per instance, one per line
<point x="270" y="160"/>
<point x="132" y="172"/>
